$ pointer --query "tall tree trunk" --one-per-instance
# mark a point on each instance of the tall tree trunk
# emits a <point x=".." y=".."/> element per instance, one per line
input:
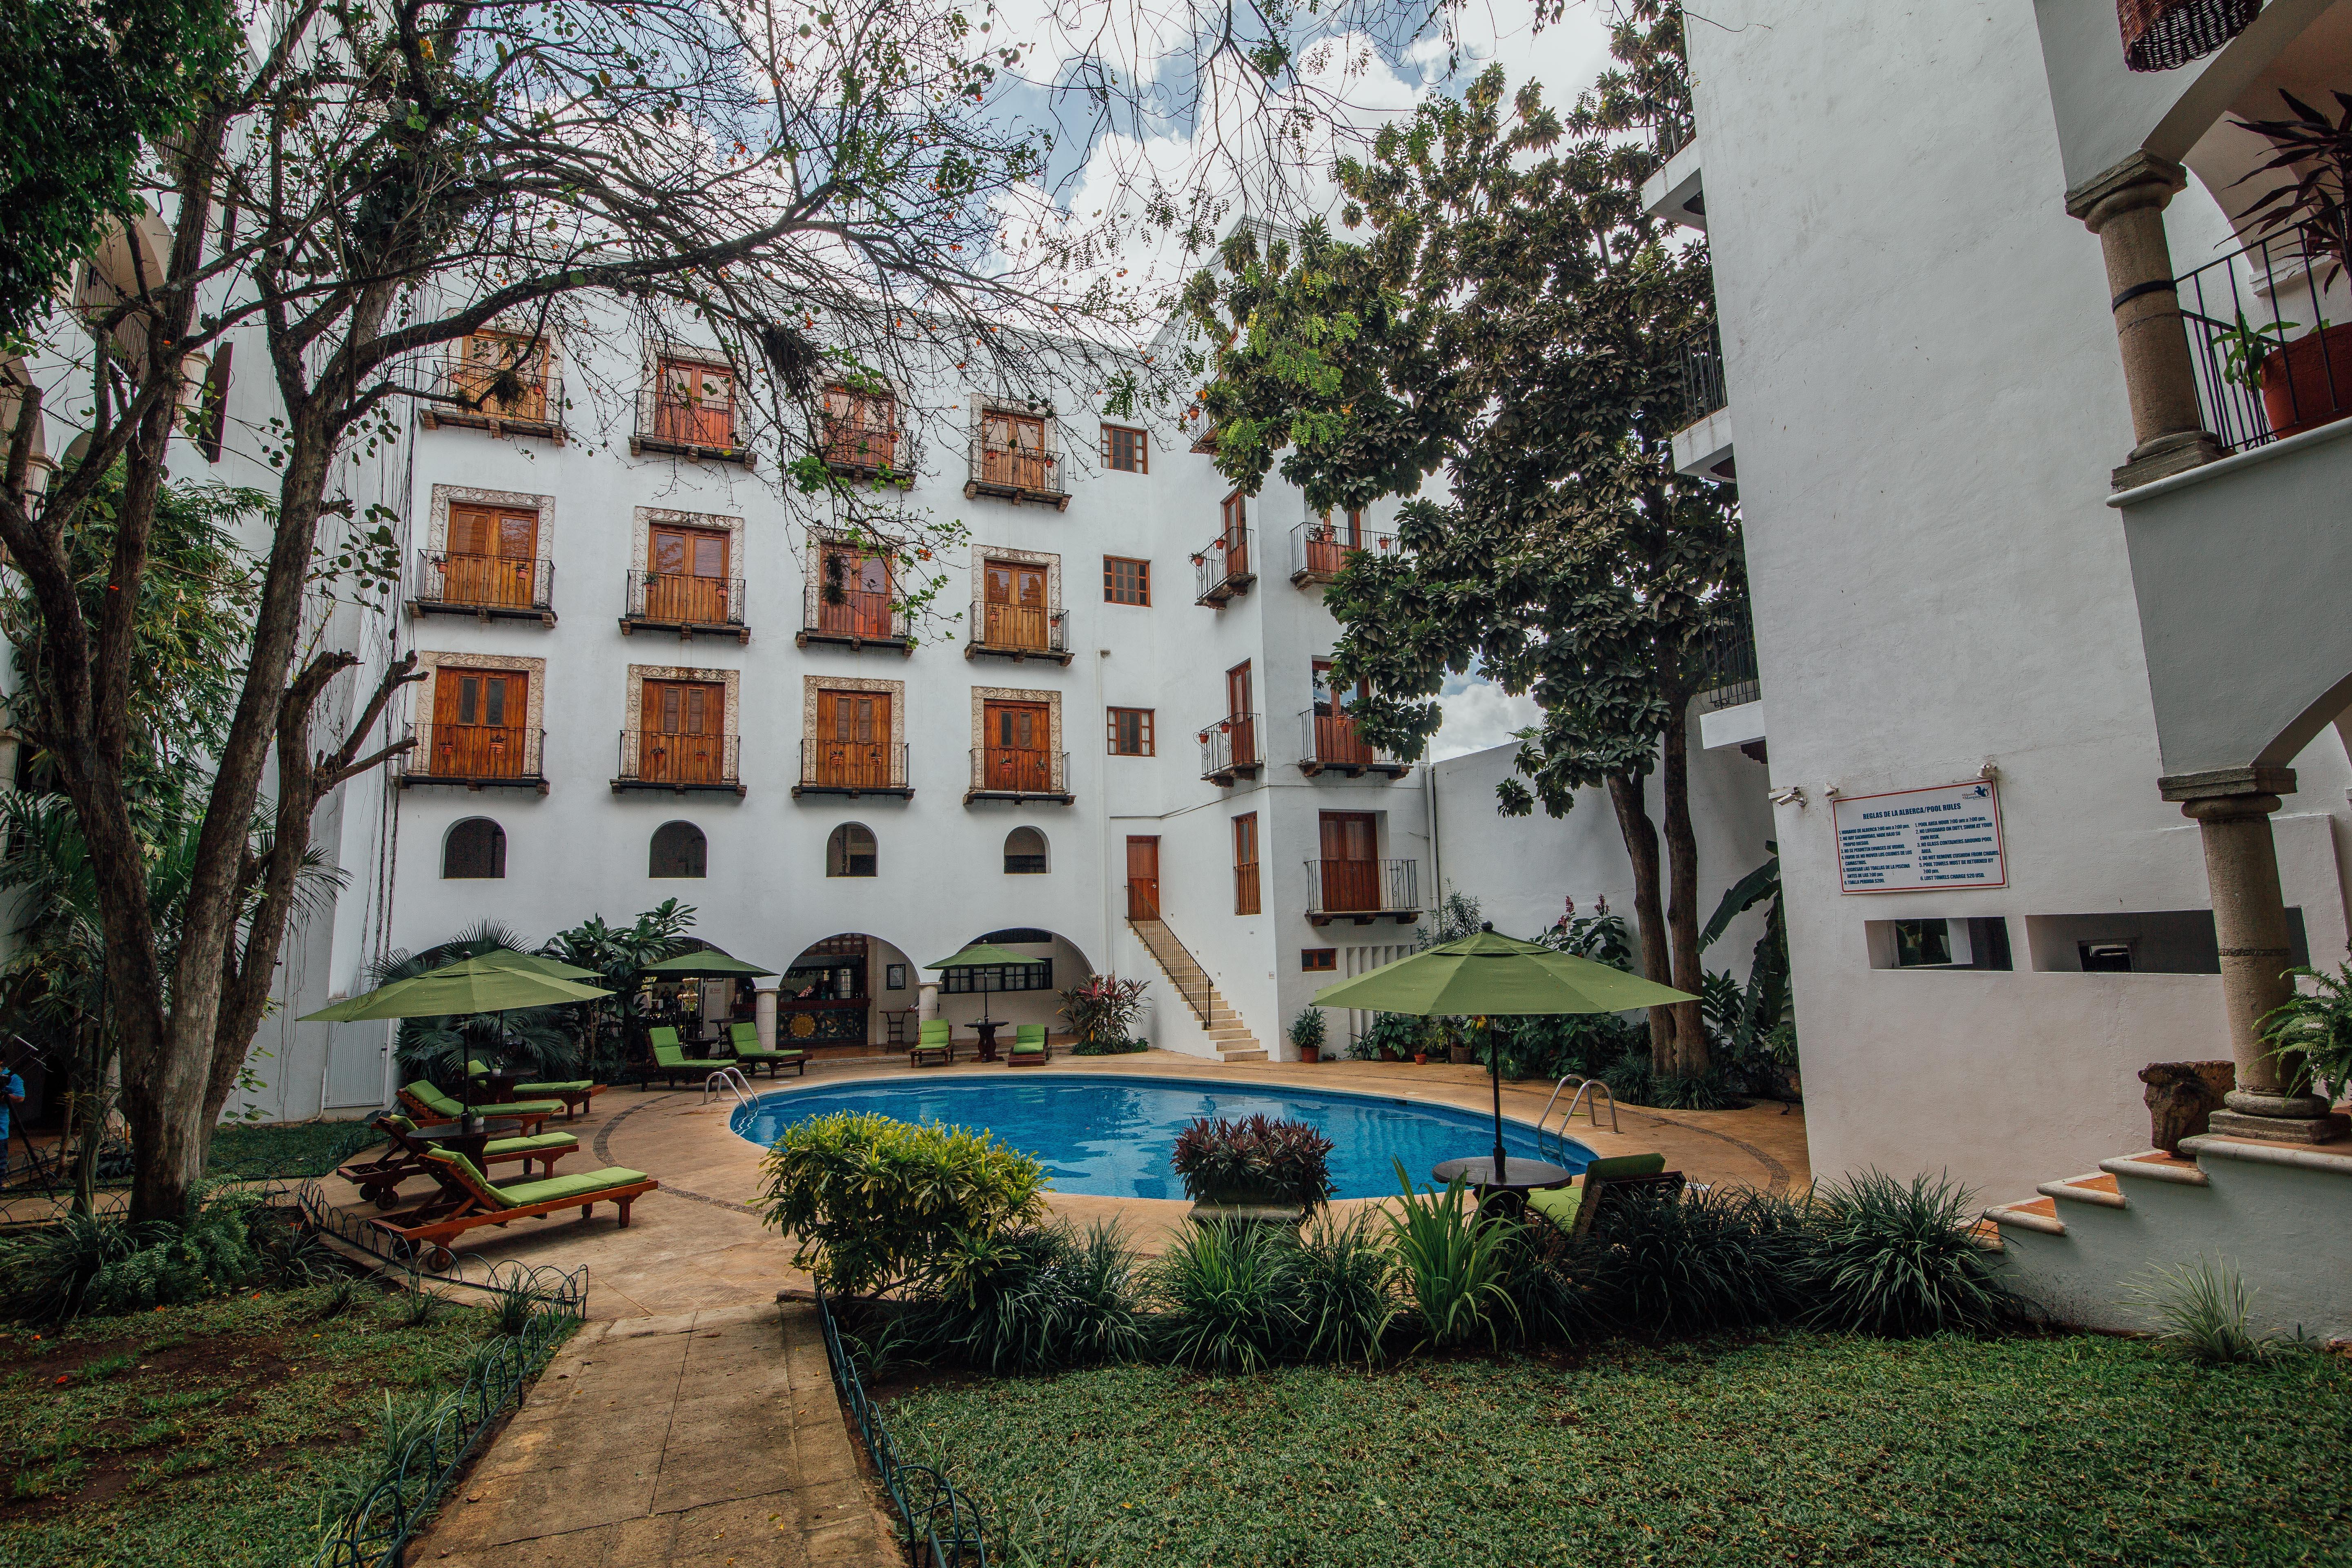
<point x="1641" y="838"/>
<point x="1682" y="897"/>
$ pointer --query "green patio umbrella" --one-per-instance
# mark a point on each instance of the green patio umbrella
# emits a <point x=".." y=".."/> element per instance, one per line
<point x="468" y="986"/>
<point x="530" y="964"/>
<point x="1484" y="974"/>
<point x="982" y="955"/>
<point x="709" y="963"/>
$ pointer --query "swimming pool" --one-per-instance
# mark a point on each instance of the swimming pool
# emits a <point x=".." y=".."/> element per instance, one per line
<point x="1112" y="1136"/>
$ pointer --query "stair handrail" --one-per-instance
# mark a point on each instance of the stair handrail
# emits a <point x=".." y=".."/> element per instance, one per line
<point x="1592" y="1106"/>
<point x="729" y="1079"/>
<point x="1200" y="1004"/>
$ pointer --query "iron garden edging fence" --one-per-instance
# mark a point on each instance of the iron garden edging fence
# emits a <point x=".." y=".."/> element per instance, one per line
<point x="941" y="1525"/>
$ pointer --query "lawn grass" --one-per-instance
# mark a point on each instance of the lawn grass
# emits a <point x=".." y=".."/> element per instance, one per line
<point x="1789" y="1449"/>
<point x="202" y="1434"/>
<point x="252" y="1151"/>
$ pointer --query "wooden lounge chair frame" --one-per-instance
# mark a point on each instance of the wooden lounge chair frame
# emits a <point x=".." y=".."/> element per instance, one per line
<point x="575" y="1101"/>
<point x="465" y="1204"/>
<point x="533" y="1121"/>
<point x="1609" y="1190"/>
<point x="943" y="1048"/>
<point x="753" y="1056"/>
<point x="1016" y="1058"/>
<point x="379" y="1180"/>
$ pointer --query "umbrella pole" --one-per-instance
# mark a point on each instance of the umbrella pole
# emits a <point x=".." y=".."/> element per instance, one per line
<point x="1494" y="1074"/>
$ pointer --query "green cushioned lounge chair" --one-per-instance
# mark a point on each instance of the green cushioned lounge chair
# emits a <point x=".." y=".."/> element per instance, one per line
<point x="1029" y="1046"/>
<point x="428" y="1103"/>
<point x="671" y="1063"/>
<point x="467" y="1199"/>
<point x="745" y="1039"/>
<point x="1572" y="1209"/>
<point x="575" y="1092"/>
<point x="379" y="1179"/>
<point x="934" y="1045"/>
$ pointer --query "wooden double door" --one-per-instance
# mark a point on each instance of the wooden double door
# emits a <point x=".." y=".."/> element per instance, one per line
<point x="1012" y="451"/>
<point x="683" y="735"/>
<point x="694" y="403"/>
<point x="1351" y="865"/>
<point x="687" y="582"/>
<point x="852" y="745"/>
<point x="492" y="556"/>
<point x="479" y="718"/>
<point x="1017" y="755"/>
<point x="854" y="600"/>
<point x="1017" y="611"/>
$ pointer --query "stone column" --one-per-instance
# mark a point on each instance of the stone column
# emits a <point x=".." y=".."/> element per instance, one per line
<point x="2231" y="808"/>
<point x="763" y="1016"/>
<point x="2124" y="207"/>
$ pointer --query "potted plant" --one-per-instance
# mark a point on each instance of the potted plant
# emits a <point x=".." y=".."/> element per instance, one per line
<point x="2305" y="382"/>
<point x="1306" y="1034"/>
<point x="1254" y="1169"/>
<point x="2311" y="1036"/>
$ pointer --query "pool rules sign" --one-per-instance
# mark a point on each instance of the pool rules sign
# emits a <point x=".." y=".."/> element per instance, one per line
<point x="1913" y="839"/>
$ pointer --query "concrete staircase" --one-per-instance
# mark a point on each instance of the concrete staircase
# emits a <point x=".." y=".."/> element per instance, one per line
<point x="1232" y="1037"/>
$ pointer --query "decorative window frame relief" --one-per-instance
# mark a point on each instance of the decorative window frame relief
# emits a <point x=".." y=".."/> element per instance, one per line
<point x="1056" y="748"/>
<point x="437" y="526"/>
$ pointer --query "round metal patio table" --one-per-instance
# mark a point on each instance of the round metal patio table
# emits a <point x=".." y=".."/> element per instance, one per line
<point x="1510" y="1196"/>
<point x="453" y="1136"/>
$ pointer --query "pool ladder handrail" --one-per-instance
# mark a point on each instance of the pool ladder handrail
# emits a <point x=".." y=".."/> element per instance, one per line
<point x="1592" y="1106"/>
<point x="731" y="1079"/>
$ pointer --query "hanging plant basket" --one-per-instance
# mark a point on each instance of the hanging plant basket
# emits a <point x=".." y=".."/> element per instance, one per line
<point x="2164" y="35"/>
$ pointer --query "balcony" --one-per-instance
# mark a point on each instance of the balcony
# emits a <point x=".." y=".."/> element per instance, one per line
<point x="682" y="602"/>
<point x="2262" y="373"/>
<point x="1703" y="447"/>
<point x="853" y="618"/>
<point x="526" y="400"/>
<point x="1002" y="773"/>
<point x="1321" y="550"/>
<point x="1329" y="743"/>
<point x="487" y="587"/>
<point x="475" y="756"/>
<point x="1016" y="474"/>
<point x="681" y="764"/>
<point x="1730" y="697"/>
<point x="1362" y="891"/>
<point x="1674" y="193"/>
<point x="1019" y="632"/>
<point x="1230" y="749"/>
<point x="865" y="449"/>
<point x="685" y="427"/>
<point x="1226" y="570"/>
<point x="853" y="768"/>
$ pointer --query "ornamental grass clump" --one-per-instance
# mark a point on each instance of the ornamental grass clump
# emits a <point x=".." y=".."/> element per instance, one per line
<point x="1035" y="1298"/>
<point x="1660" y="1262"/>
<point x="1889" y="1258"/>
<point x="871" y="1201"/>
<point x="1457" y="1272"/>
<point x="2204" y="1311"/>
<point x="1255" y="1161"/>
<point x="96" y="1265"/>
<point x="1231" y="1297"/>
<point x="1347" y="1288"/>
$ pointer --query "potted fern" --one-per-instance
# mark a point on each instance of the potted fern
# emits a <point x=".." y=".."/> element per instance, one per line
<point x="2305" y="382"/>
<point x="2311" y="1036"/>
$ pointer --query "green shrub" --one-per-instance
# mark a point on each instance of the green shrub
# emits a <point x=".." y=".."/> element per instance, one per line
<point x="1346" y="1289"/>
<point x="1233" y="1297"/>
<point x="1659" y="1262"/>
<point x="2204" y="1311"/>
<point x="96" y="1265"/>
<point x="1308" y="1028"/>
<point x="871" y="1200"/>
<point x="1109" y="1048"/>
<point x="1033" y="1300"/>
<point x="1893" y="1260"/>
<point x="1399" y="1031"/>
<point x="1255" y="1159"/>
<point x="1457" y="1272"/>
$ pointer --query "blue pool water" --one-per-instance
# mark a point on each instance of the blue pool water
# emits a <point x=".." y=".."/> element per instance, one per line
<point x="1112" y="1137"/>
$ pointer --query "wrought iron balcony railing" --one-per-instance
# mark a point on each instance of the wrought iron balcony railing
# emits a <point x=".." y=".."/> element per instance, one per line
<point x="1363" y="890"/>
<point x="1672" y="130"/>
<point x="1730" y="678"/>
<point x="517" y="400"/>
<point x="1321" y="549"/>
<point x="1019" y="632"/>
<point x="478" y="756"/>
<point x="833" y="612"/>
<point x="660" y="758"/>
<point x="1004" y="773"/>
<point x="1703" y="386"/>
<point x="1232" y="748"/>
<point x="1016" y="474"/>
<point x="1226" y="570"/>
<point x="855" y="447"/>
<point x="688" y="427"/>
<point x="448" y="583"/>
<point x="1330" y="743"/>
<point x="853" y="768"/>
<point x="681" y="602"/>
<point x="2263" y="369"/>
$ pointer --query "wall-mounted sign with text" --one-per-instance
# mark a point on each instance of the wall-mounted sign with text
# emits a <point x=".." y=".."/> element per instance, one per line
<point x="1911" y="840"/>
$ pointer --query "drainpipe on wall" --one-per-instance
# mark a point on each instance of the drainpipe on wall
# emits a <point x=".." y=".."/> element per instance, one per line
<point x="1102" y="828"/>
<point x="1436" y="860"/>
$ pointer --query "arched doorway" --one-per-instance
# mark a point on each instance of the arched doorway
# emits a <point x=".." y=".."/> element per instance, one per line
<point x="853" y="992"/>
<point x="1028" y="994"/>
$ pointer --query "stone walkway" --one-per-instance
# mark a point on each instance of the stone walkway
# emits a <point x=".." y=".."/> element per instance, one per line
<point x="710" y="1439"/>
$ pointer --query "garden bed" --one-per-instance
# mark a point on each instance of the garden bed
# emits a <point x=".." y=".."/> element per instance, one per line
<point x="207" y="1432"/>
<point x="1781" y="1449"/>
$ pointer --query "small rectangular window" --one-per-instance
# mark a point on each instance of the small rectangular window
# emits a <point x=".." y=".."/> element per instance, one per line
<point x="1125" y="449"/>
<point x="1245" y="888"/>
<point x="1125" y="582"/>
<point x="1131" y="731"/>
<point x="1315" y="959"/>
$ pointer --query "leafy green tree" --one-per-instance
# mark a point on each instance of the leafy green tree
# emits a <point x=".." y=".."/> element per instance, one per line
<point x="618" y="953"/>
<point x="1517" y="322"/>
<point x="86" y="87"/>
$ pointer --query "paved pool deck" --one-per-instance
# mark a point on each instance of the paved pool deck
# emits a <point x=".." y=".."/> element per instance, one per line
<point x="698" y="1245"/>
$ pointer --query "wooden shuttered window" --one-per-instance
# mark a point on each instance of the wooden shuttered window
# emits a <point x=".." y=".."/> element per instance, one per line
<point x="1130" y="731"/>
<point x="1125" y="449"/>
<point x="1125" y="580"/>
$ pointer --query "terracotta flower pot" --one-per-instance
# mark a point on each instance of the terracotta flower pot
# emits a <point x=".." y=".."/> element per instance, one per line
<point x="2308" y="383"/>
<point x="1462" y="1053"/>
<point x="1421" y="1058"/>
<point x="2181" y="1096"/>
<point x="1311" y="1052"/>
<point x="1389" y="1055"/>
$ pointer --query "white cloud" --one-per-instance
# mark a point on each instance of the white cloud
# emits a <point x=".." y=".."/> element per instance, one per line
<point x="1478" y="714"/>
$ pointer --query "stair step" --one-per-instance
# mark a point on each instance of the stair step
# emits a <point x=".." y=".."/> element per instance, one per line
<point x="2034" y="1213"/>
<point x="1985" y="1237"/>
<point x="1251" y="1055"/>
<point x="2156" y="1165"/>
<point x="2097" y="1189"/>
